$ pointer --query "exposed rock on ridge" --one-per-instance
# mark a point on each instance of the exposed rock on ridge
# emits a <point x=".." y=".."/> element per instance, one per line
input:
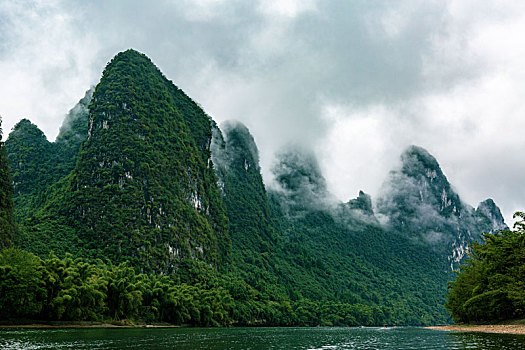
<point x="420" y="203"/>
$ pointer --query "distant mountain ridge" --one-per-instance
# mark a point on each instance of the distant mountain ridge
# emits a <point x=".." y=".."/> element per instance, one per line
<point x="141" y="174"/>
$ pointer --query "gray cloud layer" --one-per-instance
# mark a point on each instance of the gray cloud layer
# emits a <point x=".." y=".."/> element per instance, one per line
<point x="356" y="81"/>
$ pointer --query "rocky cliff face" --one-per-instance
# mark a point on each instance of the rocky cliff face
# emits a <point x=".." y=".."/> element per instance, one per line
<point x="357" y="212"/>
<point x="489" y="210"/>
<point x="419" y="202"/>
<point x="363" y="202"/>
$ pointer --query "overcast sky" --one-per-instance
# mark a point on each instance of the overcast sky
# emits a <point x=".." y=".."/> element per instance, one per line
<point x="357" y="81"/>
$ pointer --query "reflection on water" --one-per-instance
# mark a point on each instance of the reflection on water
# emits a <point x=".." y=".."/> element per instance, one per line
<point x="467" y="340"/>
<point x="255" y="338"/>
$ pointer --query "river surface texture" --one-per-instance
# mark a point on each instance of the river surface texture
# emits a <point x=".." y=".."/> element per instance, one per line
<point x="254" y="338"/>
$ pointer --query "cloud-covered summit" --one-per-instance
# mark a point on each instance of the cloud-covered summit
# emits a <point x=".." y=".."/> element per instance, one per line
<point x="299" y="179"/>
<point x="355" y="81"/>
<point x="419" y="202"/>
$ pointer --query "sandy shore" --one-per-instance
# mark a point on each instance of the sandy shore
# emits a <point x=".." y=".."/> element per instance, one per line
<point x="497" y="328"/>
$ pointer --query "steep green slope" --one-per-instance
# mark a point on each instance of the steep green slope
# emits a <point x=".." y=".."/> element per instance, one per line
<point x="141" y="190"/>
<point x="330" y="261"/>
<point x="258" y="292"/>
<point x="31" y="156"/>
<point x="39" y="169"/>
<point x="129" y="177"/>
<point x="7" y="220"/>
<point x="237" y="163"/>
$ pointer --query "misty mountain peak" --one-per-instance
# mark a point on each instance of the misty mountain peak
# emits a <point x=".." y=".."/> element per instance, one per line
<point x="298" y="169"/>
<point x="420" y="181"/>
<point x="363" y="202"/>
<point x="489" y="209"/>
<point x="420" y="166"/>
<point x="416" y="160"/>
<point x="419" y="202"/>
<point x="75" y="124"/>
<point x="298" y="174"/>
<point x="241" y="145"/>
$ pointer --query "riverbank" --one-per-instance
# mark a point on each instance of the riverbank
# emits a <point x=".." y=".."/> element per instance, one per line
<point x="515" y="327"/>
<point x="51" y="325"/>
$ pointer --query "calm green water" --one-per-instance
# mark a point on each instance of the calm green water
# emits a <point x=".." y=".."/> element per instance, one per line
<point x="254" y="338"/>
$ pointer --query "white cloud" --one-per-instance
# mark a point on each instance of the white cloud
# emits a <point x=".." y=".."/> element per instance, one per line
<point x="286" y="8"/>
<point x="356" y="153"/>
<point x="45" y="64"/>
<point x="470" y="118"/>
<point x="358" y="81"/>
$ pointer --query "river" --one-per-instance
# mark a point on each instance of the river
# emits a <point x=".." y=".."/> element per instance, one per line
<point x="254" y="338"/>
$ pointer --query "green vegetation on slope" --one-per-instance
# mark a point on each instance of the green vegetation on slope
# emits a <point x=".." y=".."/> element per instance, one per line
<point x="34" y="169"/>
<point x="293" y="249"/>
<point x="72" y="290"/>
<point x="7" y="220"/>
<point x="141" y="191"/>
<point x="490" y="285"/>
<point x="38" y="164"/>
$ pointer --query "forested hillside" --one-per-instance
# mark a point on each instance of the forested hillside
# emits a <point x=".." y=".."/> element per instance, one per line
<point x="350" y="256"/>
<point x="37" y="164"/>
<point x="143" y="209"/>
<point x="142" y="189"/>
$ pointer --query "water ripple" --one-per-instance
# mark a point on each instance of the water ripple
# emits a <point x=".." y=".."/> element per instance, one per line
<point x="321" y="338"/>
